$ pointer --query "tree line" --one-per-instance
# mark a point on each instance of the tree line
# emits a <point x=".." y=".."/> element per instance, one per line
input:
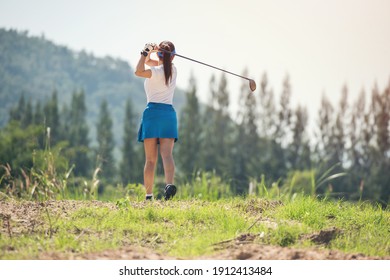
<point x="270" y="140"/>
<point x="39" y="127"/>
<point x="267" y="140"/>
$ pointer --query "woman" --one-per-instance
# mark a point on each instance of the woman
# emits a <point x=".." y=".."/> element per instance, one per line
<point x="159" y="121"/>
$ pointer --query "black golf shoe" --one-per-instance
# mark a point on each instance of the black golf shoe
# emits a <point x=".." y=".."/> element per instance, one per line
<point x="169" y="191"/>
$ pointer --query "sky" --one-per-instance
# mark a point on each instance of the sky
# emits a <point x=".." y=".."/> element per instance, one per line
<point x="321" y="45"/>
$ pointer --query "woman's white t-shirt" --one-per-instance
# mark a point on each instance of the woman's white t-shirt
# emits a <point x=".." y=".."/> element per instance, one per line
<point x="155" y="87"/>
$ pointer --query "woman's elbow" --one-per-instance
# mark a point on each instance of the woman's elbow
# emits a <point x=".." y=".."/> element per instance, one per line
<point x="142" y="73"/>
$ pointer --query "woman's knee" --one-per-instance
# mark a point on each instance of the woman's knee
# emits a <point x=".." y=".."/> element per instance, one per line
<point x="150" y="162"/>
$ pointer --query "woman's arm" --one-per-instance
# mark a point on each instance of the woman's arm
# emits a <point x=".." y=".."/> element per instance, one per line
<point x="140" y="70"/>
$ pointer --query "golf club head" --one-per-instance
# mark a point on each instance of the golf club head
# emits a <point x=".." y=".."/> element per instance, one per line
<point x="252" y="85"/>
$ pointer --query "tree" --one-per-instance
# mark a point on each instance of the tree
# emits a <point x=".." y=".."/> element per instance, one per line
<point x="77" y="135"/>
<point x="272" y="162"/>
<point x="22" y="113"/>
<point x="105" y="138"/>
<point x="16" y="113"/>
<point x="266" y="110"/>
<point x="17" y="145"/>
<point x="324" y="146"/>
<point x="208" y="141"/>
<point x="339" y="132"/>
<point x="337" y="149"/>
<point x="28" y="115"/>
<point x="299" y="149"/>
<point x="381" y="167"/>
<point x="52" y="118"/>
<point x="223" y="130"/>
<point x="356" y="136"/>
<point x="381" y="110"/>
<point x="282" y="133"/>
<point x="130" y="166"/>
<point x="282" y="137"/>
<point x="246" y="155"/>
<point x="38" y="116"/>
<point x="190" y="132"/>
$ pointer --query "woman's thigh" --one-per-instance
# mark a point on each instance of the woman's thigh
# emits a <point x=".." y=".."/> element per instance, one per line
<point x="151" y="150"/>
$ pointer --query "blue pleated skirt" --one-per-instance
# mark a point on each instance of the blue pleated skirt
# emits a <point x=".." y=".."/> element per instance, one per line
<point x="158" y="121"/>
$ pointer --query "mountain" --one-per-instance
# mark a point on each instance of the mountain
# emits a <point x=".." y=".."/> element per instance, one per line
<point x="35" y="67"/>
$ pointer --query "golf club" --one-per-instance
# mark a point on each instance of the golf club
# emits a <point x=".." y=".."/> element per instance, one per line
<point x="252" y="83"/>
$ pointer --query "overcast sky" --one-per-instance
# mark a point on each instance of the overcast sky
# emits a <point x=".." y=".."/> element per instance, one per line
<point x="322" y="45"/>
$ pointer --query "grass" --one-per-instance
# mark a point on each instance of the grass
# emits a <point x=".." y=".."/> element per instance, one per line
<point x="364" y="228"/>
<point x="191" y="228"/>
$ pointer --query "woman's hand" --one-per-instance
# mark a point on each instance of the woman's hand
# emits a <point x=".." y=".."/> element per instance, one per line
<point x="152" y="48"/>
<point x="149" y="48"/>
<point x="140" y="70"/>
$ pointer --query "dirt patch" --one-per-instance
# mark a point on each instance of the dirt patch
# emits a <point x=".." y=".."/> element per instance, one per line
<point x="243" y="248"/>
<point x="324" y="236"/>
<point x="27" y="216"/>
<point x="242" y="251"/>
<point x="128" y="253"/>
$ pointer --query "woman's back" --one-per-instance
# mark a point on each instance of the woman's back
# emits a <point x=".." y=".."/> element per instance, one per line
<point x="156" y="89"/>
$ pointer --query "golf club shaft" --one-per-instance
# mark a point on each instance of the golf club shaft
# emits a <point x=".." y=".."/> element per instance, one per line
<point x="220" y="69"/>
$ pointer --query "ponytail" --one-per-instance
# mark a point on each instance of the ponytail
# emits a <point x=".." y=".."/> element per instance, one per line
<point x="167" y="59"/>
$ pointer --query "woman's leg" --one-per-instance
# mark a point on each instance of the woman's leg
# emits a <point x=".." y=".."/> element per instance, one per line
<point x="151" y="153"/>
<point x="166" y="148"/>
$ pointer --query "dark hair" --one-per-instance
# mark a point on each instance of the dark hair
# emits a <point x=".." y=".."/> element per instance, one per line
<point x="166" y="58"/>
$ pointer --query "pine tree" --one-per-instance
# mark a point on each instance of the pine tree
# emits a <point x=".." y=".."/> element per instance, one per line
<point x="39" y="120"/>
<point x="381" y="105"/>
<point x="16" y="113"/>
<point x="339" y="129"/>
<point x="359" y="149"/>
<point x="266" y="110"/>
<point x="27" y="118"/>
<point x="52" y="118"/>
<point x="105" y="138"/>
<point x="190" y="132"/>
<point x="22" y="113"/>
<point x="77" y="134"/>
<point x="356" y="133"/>
<point x="381" y="167"/>
<point x="247" y="156"/>
<point x="282" y="133"/>
<point x="38" y="116"/>
<point x="208" y="140"/>
<point x="278" y="145"/>
<point x="221" y="127"/>
<point x="130" y="166"/>
<point x="324" y="135"/>
<point x="299" y="150"/>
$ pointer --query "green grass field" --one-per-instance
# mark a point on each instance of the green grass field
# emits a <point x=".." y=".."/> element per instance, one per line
<point x="190" y="229"/>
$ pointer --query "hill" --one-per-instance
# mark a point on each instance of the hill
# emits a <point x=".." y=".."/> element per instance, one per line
<point x="35" y="67"/>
